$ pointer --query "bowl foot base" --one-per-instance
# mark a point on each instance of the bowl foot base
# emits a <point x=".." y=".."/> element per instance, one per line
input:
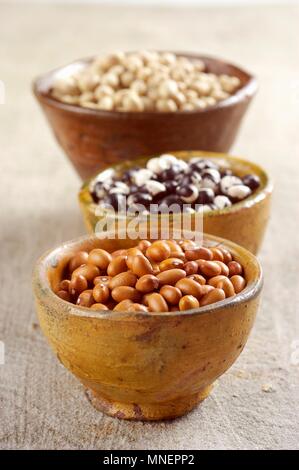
<point x="148" y="411"/>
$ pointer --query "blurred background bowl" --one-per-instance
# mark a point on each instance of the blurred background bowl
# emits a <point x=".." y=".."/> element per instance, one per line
<point x="244" y="222"/>
<point x="94" y="139"/>
<point x="145" y="366"/>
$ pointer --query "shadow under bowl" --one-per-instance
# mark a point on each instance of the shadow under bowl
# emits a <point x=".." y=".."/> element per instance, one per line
<point x="244" y="222"/>
<point x="94" y="139"/>
<point x="144" y="366"/>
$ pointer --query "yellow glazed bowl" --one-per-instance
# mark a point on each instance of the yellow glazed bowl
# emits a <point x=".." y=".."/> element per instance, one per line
<point x="144" y="366"/>
<point x="244" y="222"/>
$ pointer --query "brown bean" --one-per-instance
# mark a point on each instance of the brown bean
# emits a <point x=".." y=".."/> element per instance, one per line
<point x="157" y="303"/>
<point x="188" y="302"/>
<point x="234" y="268"/>
<point x="100" y="258"/>
<point x="199" y="253"/>
<point x="101" y="293"/>
<point x="238" y="282"/>
<point x="175" y="254"/>
<point x="188" y="245"/>
<point x="123" y="279"/>
<point x="174" y="247"/>
<point x="189" y="286"/>
<point x="85" y="299"/>
<point x="227" y="286"/>
<point x="78" y="284"/>
<point x="102" y="280"/>
<point x="198" y="278"/>
<point x="213" y="281"/>
<point x="123" y="306"/>
<point x="89" y="271"/>
<point x="143" y="245"/>
<point x="171" y="276"/>
<point x="141" y="266"/>
<point x="125" y="292"/>
<point x="99" y="307"/>
<point x="217" y="254"/>
<point x="191" y="267"/>
<point x="224" y="268"/>
<point x="215" y="295"/>
<point x="147" y="283"/>
<point x="227" y="257"/>
<point x="121" y="252"/>
<point x="206" y="288"/>
<point x="137" y="308"/>
<point x="64" y="285"/>
<point x="158" y="251"/>
<point x="77" y="260"/>
<point x="171" y="294"/>
<point x="171" y="263"/>
<point x="209" y="268"/>
<point x="65" y="295"/>
<point x="117" y="265"/>
<point x="134" y="251"/>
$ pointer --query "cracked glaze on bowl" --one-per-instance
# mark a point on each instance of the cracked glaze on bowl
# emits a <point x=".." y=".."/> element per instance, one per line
<point x="145" y="366"/>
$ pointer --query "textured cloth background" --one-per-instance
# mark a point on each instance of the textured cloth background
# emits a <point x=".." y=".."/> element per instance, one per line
<point x="255" y="404"/>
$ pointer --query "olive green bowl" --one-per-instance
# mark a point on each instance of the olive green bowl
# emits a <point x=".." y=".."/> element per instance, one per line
<point x="244" y="222"/>
<point x="145" y="366"/>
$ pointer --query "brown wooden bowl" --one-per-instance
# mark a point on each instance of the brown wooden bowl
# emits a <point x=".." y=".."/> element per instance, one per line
<point x="94" y="139"/>
<point x="144" y="366"/>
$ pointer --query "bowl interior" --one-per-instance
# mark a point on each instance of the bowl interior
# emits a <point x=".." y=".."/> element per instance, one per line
<point x="240" y="167"/>
<point x="52" y="266"/>
<point x="43" y="85"/>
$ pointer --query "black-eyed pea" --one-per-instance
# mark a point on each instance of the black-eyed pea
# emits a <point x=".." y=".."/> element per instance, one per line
<point x="224" y="268"/>
<point x="99" y="306"/>
<point x="85" y="299"/>
<point x="171" y="276"/>
<point x="89" y="271"/>
<point x="143" y="245"/>
<point x="77" y="260"/>
<point x="234" y="268"/>
<point x="158" y="251"/>
<point x="102" y="280"/>
<point x="191" y="267"/>
<point x="100" y="258"/>
<point x="189" y="287"/>
<point x="117" y="265"/>
<point x="215" y="295"/>
<point x="171" y="294"/>
<point x="125" y="292"/>
<point x="198" y="278"/>
<point x="78" y="284"/>
<point x="157" y="303"/>
<point x="171" y="263"/>
<point x="64" y="295"/>
<point x="123" y="306"/>
<point x="209" y="268"/>
<point x="217" y="254"/>
<point x="127" y="278"/>
<point x="101" y="293"/>
<point x="188" y="302"/>
<point x="147" y="283"/>
<point x="238" y="282"/>
<point x="227" y="286"/>
<point x="199" y="253"/>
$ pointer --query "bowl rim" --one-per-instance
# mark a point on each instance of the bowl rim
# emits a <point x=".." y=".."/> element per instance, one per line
<point x="49" y="259"/>
<point x="256" y="197"/>
<point x="248" y="90"/>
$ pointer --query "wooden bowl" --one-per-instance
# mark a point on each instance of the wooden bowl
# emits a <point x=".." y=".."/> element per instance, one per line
<point x="244" y="222"/>
<point x="94" y="139"/>
<point x="144" y="366"/>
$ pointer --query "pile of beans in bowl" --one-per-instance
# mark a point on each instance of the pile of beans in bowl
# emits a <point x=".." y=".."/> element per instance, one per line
<point x="145" y="81"/>
<point x="162" y="276"/>
<point x="200" y="184"/>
